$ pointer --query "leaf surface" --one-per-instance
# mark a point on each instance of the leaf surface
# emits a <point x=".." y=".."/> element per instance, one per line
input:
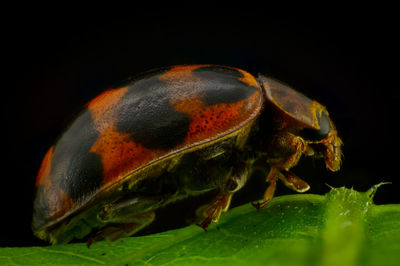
<point x="341" y="228"/>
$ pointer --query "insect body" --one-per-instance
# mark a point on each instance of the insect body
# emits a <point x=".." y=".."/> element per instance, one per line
<point x="169" y="135"/>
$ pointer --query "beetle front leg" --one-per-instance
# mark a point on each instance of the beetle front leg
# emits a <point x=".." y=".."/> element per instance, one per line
<point x="289" y="180"/>
<point x="287" y="149"/>
<point x="293" y="182"/>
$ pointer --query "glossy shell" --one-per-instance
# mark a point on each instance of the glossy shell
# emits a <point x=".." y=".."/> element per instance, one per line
<point x="297" y="107"/>
<point x="125" y="130"/>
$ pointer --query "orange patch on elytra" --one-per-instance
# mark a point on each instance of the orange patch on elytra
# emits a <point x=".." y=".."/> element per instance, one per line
<point x="189" y="106"/>
<point x="212" y="120"/>
<point x="43" y="177"/>
<point x="249" y="79"/>
<point x="101" y="107"/>
<point x="56" y="200"/>
<point x="120" y="154"/>
<point x="180" y="73"/>
<point x="209" y="121"/>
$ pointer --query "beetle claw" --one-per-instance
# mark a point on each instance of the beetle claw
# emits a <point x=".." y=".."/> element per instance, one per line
<point x="204" y="224"/>
<point x="255" y="205"/>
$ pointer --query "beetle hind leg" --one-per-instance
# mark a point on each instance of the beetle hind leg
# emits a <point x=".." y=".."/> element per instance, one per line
<point x="127" y="216"/>
<point x="124" y="228"/>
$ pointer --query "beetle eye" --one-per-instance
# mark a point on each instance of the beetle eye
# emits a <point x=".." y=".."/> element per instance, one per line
<point x="324" y="125"/>
<point x="324" y="128"/>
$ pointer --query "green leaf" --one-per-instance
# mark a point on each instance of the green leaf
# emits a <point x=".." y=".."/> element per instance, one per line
<point x="341" y="228"/>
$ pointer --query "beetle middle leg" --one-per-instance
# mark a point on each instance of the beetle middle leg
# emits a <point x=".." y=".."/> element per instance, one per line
<point x="235" y="180"/>
<point x="213" y="211"/>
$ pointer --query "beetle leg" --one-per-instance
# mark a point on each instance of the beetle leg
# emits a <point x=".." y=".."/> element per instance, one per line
<point x="213" y="212"/>
<point x="127" y="216"/>
<point x="298" y="147"/>
<point x="289" y="149"/>
<point x="293" y="182"/>
<point x="235" y="181"/>
<point x="125" y="209"/>
<point x="126" y="226"/>
<point x="289" y="179"/>
<point x="269" y="193"/>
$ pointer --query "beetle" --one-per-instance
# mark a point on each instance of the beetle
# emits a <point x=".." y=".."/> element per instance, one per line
<point x="172" y="134"/>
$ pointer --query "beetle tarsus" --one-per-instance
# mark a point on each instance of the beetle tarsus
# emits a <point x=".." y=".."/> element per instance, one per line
<point x="293" y="182"/>
<point x="269" y="193"/>
<point x="205" y="223"/>
<point x="289" y="179"/>
<point x="214" y="210"/>
<point x="126" y="226"/>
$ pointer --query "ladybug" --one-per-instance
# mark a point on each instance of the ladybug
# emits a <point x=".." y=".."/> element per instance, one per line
<point x="169" y="135"/>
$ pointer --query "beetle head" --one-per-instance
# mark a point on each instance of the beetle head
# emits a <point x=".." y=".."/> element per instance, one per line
<point x="308" y="118"/>
<point x="333" y="151"/>
<point x="325" y="140"/>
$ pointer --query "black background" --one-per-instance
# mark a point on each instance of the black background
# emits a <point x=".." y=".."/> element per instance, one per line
<point x="55" y="61"/>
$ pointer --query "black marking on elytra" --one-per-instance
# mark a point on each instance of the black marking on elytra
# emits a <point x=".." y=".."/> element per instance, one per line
<point x="146" y="114"/>
<point x="222" y="85"/>
<point x="74" y="168"/>
<point x="221" y="70"/>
